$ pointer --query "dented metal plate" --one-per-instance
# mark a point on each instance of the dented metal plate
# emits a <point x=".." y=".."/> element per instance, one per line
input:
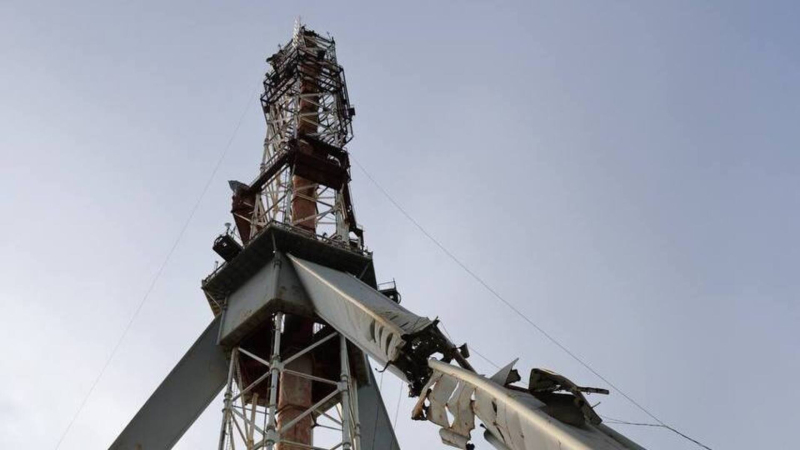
<point x="366" y="317"/>
<point x="515" y="419"/>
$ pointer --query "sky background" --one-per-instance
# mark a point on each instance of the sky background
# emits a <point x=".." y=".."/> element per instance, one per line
<point x="626" y="173"/>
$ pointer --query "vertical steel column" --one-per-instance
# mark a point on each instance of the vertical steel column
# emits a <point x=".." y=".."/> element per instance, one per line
<point x="275" y="369"/>
<point x="342" y="227"/>
<point x="226" y="410"/>
<point x="295" y="393"/>
<point x="354" y="408"/>
<point x="347" y="440"/>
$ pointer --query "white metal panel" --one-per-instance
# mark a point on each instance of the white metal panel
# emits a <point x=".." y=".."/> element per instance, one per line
<point x="274" y="287"/>
<point x="439" y="397"/>
<point x="516" y="419"/>
<point x="461" y="406"/>
<point x="243" y="303"/>
<point x="366" y="317"/>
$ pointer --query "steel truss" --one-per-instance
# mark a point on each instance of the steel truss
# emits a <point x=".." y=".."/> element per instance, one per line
<point x="308" y="115"/>
<point x="250" y="422"/>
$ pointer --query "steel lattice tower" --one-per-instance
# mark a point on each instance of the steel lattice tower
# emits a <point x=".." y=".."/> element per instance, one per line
<point x="297" y="309"/>
<point x="304" y="174"/>
<point x="303" y="184"/>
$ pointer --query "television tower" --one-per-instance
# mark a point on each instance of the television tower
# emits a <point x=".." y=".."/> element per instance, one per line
<point x="297" y="311"/>
<point x="304" y="184"/>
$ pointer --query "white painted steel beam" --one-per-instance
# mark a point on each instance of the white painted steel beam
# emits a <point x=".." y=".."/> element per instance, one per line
<point x="516" y="420"/>
<point x="182" y="396"/>
<point x="366" y="317"/>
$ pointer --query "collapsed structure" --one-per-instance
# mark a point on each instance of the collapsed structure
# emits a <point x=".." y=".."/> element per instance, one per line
<point x="299" y="317"/>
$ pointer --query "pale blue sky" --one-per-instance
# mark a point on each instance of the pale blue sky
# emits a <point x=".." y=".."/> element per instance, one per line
<point x="626" y="173"/>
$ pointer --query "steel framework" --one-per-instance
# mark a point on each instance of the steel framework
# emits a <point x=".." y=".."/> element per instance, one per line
<point x="298" y="312"/>
<point x="305" y="169"/>
<point x="251" y="422"/>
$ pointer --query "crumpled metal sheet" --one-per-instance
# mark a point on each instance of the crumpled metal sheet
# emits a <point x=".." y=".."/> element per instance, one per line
<point x="453" y="439"/>
<point x="444" y="393"/>
<point x="461" y="405"/>
<point x="515" y="419"/>
<point x="366" y="317"/>
<point x="438" y="398"/>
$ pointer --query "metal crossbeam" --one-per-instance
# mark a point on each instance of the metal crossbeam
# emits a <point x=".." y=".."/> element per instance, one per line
<point x="250" y="423"/>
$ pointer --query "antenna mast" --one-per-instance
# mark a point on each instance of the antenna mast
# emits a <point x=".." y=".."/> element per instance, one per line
<point x="305" y="169"/>
<point x="302" y="184"/>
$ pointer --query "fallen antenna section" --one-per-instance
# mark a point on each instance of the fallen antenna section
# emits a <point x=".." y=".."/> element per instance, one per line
<point x="515" y="418"/>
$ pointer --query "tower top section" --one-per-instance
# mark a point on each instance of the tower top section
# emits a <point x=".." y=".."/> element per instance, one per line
<point x="304" y="176"/>
<point x="305" y="93"/>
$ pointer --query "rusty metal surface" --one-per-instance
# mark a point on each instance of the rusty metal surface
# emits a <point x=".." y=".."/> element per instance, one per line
<point x="295" y="392"/>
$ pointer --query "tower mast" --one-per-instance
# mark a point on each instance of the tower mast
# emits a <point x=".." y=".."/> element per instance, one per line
<point x="303" y="183"/>
<point x="297" y="309"/>
<point x="305" y="169"/>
